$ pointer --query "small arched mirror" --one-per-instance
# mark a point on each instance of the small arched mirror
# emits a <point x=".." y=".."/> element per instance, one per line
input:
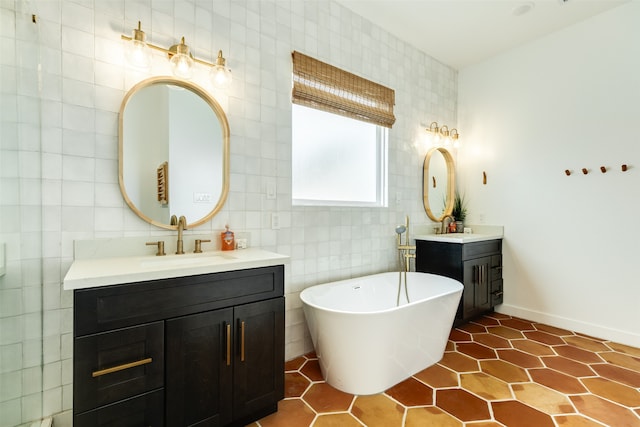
<point x="438" y="183"/>
<point x="173" y="152"/>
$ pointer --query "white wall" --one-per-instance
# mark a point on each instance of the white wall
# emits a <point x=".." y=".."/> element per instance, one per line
<point x="83" y="82"/>
<point x="568" y="101"/>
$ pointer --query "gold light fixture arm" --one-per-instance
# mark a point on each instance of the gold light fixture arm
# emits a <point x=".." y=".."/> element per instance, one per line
<point x="171" y="53"/>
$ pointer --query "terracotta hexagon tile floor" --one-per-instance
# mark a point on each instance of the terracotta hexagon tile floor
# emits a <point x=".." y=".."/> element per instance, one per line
<point x="497" y="371"/>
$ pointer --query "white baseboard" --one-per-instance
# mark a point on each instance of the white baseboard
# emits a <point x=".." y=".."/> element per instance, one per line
<point x="597" y="331"/>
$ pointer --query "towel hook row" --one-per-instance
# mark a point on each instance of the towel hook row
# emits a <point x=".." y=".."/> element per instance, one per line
<point x="603" y="169"/>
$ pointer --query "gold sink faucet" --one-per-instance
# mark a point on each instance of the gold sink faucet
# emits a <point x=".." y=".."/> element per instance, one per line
<point x="182" y="225"/>
<point x="444" y="228"/>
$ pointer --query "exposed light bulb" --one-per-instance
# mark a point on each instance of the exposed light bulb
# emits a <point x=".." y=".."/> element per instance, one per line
<point x="138" y="53"/>
<point x="436" y="139"/>
<point x="181" y="61"/>
<point x="455" y="137"/>
<point x="220" y="75"/>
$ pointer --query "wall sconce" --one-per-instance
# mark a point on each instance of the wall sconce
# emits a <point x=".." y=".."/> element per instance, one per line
<point x="454" y="135"/>
<point x="181" y="59"/>
<point x="138" y="53"/>
<point x="442" y="135"/>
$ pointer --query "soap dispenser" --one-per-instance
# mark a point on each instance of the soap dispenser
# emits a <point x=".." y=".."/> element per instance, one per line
<point x="227" y="240"/>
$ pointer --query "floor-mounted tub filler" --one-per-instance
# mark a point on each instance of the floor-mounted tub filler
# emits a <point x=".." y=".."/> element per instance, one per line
<point x="365" y="341"/>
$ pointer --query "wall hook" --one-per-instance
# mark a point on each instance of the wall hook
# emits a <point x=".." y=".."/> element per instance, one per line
<point x="567" y="172"/>
<point x="624" y="168"/>
<point x="484" y="177"/>
<point x="603" y="169"/>
<point x="585" y="171"/>
<point x="434" y="181"/>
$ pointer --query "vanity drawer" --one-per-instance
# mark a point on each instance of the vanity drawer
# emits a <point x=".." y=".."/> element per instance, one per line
<point x="118" y="306"/>
<point x="140" y="411"/>
<point x="480" y="249"/>
<point x="116" y="365"/>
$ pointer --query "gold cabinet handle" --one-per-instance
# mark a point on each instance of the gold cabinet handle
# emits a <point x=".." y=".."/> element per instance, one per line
<point x="242" y="341"/>
<point x="228" y="344"/>
<point x="121" y="367"/>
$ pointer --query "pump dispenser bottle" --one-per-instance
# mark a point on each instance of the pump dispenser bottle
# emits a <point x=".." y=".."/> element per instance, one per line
<point x="227" y="240"/>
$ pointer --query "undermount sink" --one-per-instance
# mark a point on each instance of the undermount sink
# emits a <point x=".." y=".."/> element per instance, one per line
<point x="185" y="260"/>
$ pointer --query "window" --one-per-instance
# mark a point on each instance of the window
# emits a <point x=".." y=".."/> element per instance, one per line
<point x="339" y="126"/>
<point x="337" y="160"/>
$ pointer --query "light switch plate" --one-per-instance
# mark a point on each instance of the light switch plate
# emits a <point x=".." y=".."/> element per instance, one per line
<point x="275" y="221"/>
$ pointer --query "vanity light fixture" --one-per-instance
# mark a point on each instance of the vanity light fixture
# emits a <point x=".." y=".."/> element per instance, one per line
<point x="434" y="130"/>
<point x="454" y="135"/>
<point x="181" y="60"/>
<point x="220" y="74"/>
<point x="138" y="53"/>
<point x="444" y="131"/>
<point x="443" y="135"/>
<point x="180" y="57"/>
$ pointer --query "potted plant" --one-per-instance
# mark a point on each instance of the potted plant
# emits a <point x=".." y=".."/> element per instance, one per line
<point x="459" y="212"/>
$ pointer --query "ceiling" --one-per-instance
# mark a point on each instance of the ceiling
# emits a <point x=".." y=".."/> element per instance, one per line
<point x="460" y="33"/>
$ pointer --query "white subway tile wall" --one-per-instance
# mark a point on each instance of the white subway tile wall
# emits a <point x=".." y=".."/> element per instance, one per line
<point x="62" y="82"/>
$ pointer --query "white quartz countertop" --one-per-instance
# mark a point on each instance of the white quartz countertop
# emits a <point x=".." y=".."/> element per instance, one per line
<point x="94" y="272"/>
<point x="458" y="237"/>
<point x="478" y="234"/>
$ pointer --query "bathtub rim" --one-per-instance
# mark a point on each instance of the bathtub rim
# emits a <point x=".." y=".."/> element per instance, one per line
<point x="460" y="288"/>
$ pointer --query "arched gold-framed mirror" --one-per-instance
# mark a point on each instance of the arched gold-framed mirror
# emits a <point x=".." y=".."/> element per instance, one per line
<point x="438" y="183"/>
<point x="173" y="152"/>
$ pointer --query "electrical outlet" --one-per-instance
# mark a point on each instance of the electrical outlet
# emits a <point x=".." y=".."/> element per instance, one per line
<point x="481" y="218"/>
<point x="275" y="221"/>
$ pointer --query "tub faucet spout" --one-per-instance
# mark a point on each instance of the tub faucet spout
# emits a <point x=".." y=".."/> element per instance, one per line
<point x="405" y="248"/>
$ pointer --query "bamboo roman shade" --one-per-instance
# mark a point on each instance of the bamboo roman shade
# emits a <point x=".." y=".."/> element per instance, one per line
<point x="324" y="87"/>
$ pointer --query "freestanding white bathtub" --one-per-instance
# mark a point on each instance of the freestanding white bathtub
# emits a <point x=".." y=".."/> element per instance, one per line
<point x="364" y="342"/>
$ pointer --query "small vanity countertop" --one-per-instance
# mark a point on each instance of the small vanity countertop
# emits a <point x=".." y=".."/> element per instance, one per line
<point x="480" y="233"/>
<point x="89" y="273"/>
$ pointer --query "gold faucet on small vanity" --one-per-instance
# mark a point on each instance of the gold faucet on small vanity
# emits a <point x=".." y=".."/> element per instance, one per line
<point x="444" y="228"/>
<point x="182" y="225"/>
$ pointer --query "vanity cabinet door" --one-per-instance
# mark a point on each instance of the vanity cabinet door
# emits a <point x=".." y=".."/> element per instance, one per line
<point x="198" y="382"/>
<point x="477" y="284"/>
<point x="259" y="359"/>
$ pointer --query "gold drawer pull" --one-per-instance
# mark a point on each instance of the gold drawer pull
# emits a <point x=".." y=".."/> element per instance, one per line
<point x="121" y="367"/>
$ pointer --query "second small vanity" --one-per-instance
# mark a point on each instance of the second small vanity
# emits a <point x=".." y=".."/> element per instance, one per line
<point x="473" y="259"/>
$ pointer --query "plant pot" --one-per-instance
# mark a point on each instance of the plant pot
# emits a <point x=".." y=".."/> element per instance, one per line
<point x="459" y="226"/>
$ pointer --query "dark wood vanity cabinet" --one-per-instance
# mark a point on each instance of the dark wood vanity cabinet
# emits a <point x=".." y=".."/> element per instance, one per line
<point x="477" y="265"/>
<point x="204" y="350"/>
